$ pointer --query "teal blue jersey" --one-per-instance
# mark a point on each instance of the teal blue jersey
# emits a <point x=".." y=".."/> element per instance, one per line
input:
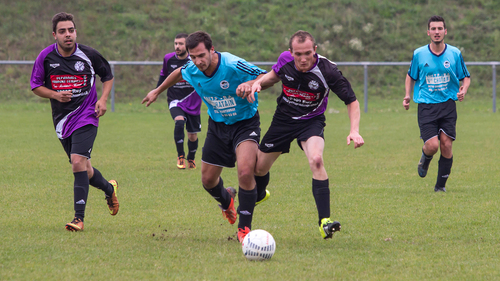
<point x="218" y="91"/>
<point x="437" y="77"/>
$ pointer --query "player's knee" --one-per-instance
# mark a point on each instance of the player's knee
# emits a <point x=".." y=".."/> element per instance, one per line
<point x="78" y="163"/>
<point x="431" y="147"/>
<point x="208" y="181"/>
<point x="316" y="161"/>
<point x="260" y="171"/>
<point x="180" y="123"/>
<point x="245" y="175"/>
<point x="446" y="147"/>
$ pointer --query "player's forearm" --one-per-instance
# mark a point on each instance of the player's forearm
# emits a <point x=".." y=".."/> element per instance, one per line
<point x="354" y="115"/>
<point x="172" y="79"/>
<point x="268" y="80"/>
<point x="409" y="84"/>
<point x="44" y="92"/>
<point x="106" y="89"/>
<point x="466" y="83"/>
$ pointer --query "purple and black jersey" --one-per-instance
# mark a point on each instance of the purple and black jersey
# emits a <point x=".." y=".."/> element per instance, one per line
<point x="182" y="94"/>
<point x="304" y="95"/>
<point x="75" y="73"/>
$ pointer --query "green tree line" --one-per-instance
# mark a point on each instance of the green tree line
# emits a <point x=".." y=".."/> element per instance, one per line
<point x="345" y="30"/>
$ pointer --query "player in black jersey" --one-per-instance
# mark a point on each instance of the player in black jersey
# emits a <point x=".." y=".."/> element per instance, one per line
<point x="307" y="79"/>
<point x="64" y="72"/>
<point x="184" y="103"/>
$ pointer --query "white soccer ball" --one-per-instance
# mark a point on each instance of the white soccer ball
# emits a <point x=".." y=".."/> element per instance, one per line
<point x="258" y="245"/>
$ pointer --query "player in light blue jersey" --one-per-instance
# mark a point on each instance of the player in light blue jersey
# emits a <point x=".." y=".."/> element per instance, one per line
<point x="434" y="75"/>
<point x="233" y="127"/>
<point x="218" y="90"/>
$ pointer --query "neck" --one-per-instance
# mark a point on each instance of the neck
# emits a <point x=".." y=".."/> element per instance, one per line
<point x="437" y="48"/>
<point x="213" y="65"/>
<point x="183" y="57"/>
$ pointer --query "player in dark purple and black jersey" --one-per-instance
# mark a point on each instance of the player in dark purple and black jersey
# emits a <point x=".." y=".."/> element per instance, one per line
<point x="307" y="79"/>
<point x="65" y="73"/>
<point x="183" y="102"/>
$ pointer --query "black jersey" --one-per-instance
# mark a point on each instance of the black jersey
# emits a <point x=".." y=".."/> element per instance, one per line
<point x="182" y="94"/>
<point x="304" y="95"/>
<point x="76" y="73"/>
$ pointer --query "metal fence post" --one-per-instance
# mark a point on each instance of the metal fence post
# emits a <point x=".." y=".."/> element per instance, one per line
<point x="365" y="68"/>
<point x="112" y="65"/>
<point x="494" y="82"/>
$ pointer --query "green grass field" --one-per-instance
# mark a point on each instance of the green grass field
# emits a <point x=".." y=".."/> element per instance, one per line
<point x="394" y="226"/>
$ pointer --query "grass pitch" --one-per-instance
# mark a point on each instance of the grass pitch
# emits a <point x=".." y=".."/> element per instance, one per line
<point x="394" y="226"/>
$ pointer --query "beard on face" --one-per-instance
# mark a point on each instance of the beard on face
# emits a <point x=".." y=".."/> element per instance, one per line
<point x="179" y="53"/>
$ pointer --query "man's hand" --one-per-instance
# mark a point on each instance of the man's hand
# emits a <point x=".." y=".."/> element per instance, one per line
<point x="461" y="94"/>
<point x="244" y="90"/>
<point x="100" y="108"/>
<point x="64" y="96"/>
<point x="150" y="98"/>
<point x="356" y="138"/>
<point x="406" y="102"/>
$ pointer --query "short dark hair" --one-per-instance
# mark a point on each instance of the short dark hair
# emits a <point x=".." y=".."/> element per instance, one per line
<point x="436" y="19"/>
<point x="61" y="17"/>
<point x="301" y="36"/>
<point x="181" y="35"/>
<point x="195" y="38"/>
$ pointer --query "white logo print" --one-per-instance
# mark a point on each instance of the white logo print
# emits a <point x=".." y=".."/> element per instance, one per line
<point x="446" y="64"/>
<point x="224" y="84"/>
<point x="436" y="79"/>
<point x="253" y="134"/>
<point x="174" y="65"/>
<point x="79" y="66"/>
<point x="54" y="65"/>
<point x="289" y="78"/>
<point x="313" y="85"/>
<point x="245" y="212"/>
<point x="80" y="202"/>
<point x="269" y="144"/>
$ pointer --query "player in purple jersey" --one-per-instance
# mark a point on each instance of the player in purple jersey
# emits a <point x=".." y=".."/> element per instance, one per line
<point x="306" y="81"/>
<point x="435" y="74"/>
<point x="184" y="104"/>
<point x="64" y="72"/>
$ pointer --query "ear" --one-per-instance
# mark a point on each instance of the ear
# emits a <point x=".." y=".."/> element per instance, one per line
<point x="290" y="50"/>
<point x="54" y="35"/>
<point x="445" y="31"/>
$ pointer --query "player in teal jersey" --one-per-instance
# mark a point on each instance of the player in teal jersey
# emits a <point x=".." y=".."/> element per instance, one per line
<point x="434" y="75"/>
<point x="233" y="132"/>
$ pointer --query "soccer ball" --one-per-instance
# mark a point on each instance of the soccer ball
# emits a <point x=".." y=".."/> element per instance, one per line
<point x="258" y="245"/>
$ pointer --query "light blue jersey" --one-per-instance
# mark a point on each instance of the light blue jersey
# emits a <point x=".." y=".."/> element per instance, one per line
<point x="437" y="77"/>
<point x="218" y="91"/>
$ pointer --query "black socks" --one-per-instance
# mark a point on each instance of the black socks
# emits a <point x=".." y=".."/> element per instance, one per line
<point x="192" y="147"/>
<point x="179" y="136"/>
<point x="321" y="193"/>
<point x="220" y="194"/>
<point x="261" y="183"/>
<point x="81" y="192"/>
<point x="247" y="199"/>
<point x="101" y="183"/>
<point x="444" y="170"/>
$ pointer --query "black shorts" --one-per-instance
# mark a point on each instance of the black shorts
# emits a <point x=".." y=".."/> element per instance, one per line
<point x="436" y="118"/>
<point x="80" y="142"/>
<point x="283" y="131"/>
<point x="193" y="122"/>
<point x="221" y="142"/>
